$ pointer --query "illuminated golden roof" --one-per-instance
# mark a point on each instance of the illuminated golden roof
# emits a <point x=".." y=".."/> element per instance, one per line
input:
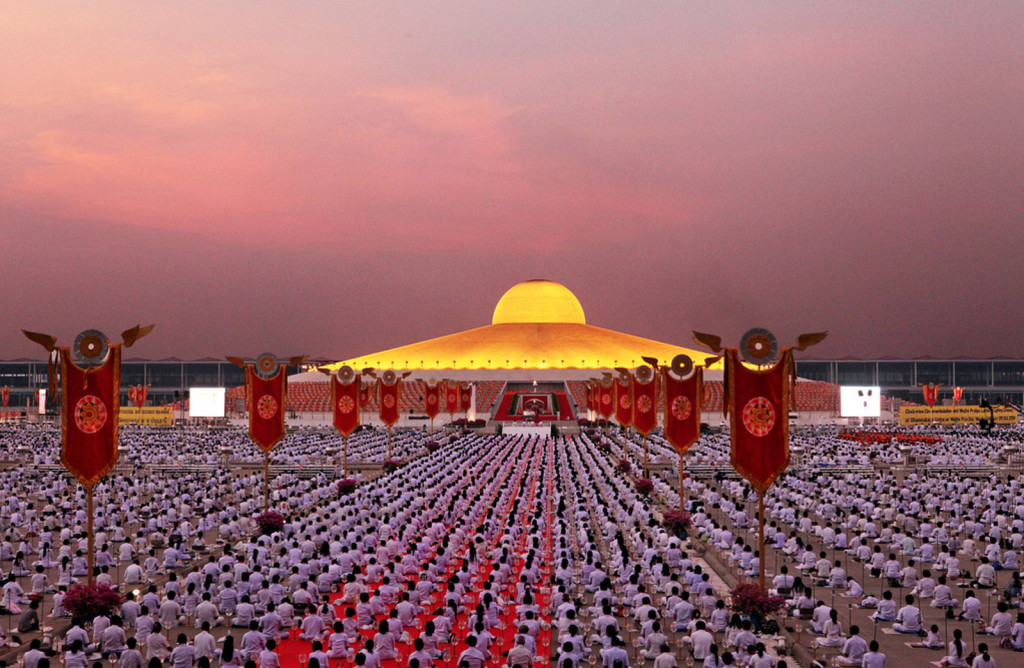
<point x="538" y="301"/>
<point x="536" y="325"/>
<point x="525" y="346"/>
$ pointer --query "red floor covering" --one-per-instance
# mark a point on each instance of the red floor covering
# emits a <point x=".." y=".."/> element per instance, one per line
<point x="293" y="651"/>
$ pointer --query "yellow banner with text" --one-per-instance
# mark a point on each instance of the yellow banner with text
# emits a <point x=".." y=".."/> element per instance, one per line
<point x="911" y="415"/>
<point x="151" y="416"/>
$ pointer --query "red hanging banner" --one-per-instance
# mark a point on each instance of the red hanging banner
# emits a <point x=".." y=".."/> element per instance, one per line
<point x="364" y="396"/>
<point x="645" y="404"/>
<point x="451" y="398"/>
<point x="623" y="403"/>
<point x="266" y="406"/>
<point x="606" y="398"/>
<point x="931" y="394"/>
<point x="132" y="391"/>
<point x="958" y="395"/>
<point x="345" y="400"/>
<point x="684" y="399"/>
<point x="6" y="395"/>
<point x="90" y="402"/>
<point x="465" y="396"/>
<point x="389" y="397"/>
<point x="431" y="400"/>
<point x="758" y="405"/>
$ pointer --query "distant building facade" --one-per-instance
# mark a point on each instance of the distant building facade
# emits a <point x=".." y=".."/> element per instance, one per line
<point x="996" y="379"/>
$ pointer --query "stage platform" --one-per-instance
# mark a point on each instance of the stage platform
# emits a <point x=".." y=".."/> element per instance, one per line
<point x="520" y="429"/>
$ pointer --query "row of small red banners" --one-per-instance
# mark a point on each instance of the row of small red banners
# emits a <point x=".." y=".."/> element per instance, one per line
<point x="136" y="394"/>
<point x="348" y="401"/>
<point x="757" y="402"/>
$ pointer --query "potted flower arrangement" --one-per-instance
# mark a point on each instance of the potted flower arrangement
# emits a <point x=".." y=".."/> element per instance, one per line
<point x="624" y="466"/>
<point x="676" y="522"/>
<point x="643" y="486"/>
<point x="752" y="602"/>
<point x="433" y="446"/>
<point x="269" y="522"/>
<point x="392" y="465"/>
<point x="346" y="486"/>
<point x="87" y="601"/>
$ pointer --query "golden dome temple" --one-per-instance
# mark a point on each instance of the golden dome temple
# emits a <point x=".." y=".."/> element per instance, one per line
<point x="539" y="327"/>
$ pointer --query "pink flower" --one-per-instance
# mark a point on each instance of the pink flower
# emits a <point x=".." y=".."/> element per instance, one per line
<point x="88" y="601"/>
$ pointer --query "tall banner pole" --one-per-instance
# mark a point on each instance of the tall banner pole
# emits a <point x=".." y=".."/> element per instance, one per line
<point x="90" y="376"/>
<point x="345" y="405"/>
<point x="760" y="540"/>
<point x="389" y="442"/>
<point x="682" y="387"/>
<point x="760" y="379"/>
<point x="266" y="386"/>
<point x="90" y="534"/>
<point x="682" y="477"/>
<point x="266" y="481"/>
<point x="646" y="472"/>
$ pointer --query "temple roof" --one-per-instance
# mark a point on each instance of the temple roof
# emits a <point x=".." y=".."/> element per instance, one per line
<point x="536" y="325"/>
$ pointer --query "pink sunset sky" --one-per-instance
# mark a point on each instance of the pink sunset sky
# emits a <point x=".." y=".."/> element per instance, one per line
<point x="335" y="178"/>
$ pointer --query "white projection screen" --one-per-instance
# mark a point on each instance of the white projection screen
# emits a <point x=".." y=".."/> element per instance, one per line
<point x="206" y="402"/>
<point x="860" y="401"/>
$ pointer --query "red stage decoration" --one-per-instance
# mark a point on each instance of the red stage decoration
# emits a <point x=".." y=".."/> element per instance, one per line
<point x="390" y="393"/>
<point x="6" y="395"/>
<point x="931" y="394"/>
<point x="266" y="410"/>
<point x="623" y="402"/>
<point x="345" y="402"/>
<point x="432" y="400"/>
<point x="684" y="399"/>
<point x="758" y="403"/>
<point x="465" y="396"/>
<point x="958" y="395"/>
<point x="137" y="395"/>
<point x="606" y="398"/>
<point x="645" y="400"/>
<point x="451" y="398"/>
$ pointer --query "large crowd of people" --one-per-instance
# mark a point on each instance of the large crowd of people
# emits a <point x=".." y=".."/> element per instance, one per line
<point x="509" y="550"/>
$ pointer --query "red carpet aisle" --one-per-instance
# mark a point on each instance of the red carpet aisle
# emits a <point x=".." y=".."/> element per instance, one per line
<point x="526" y="499"/>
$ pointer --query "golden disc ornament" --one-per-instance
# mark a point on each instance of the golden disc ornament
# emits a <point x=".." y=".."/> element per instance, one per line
<point x="682" y="366"/>
<point x="644" y="374"/>
<point x="91" y="348"/>
<point x="759" y="347"/>
<point x="266" y="366"/>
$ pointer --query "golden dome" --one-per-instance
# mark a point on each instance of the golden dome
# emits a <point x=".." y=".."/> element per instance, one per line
<point x="538" y="301"/>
